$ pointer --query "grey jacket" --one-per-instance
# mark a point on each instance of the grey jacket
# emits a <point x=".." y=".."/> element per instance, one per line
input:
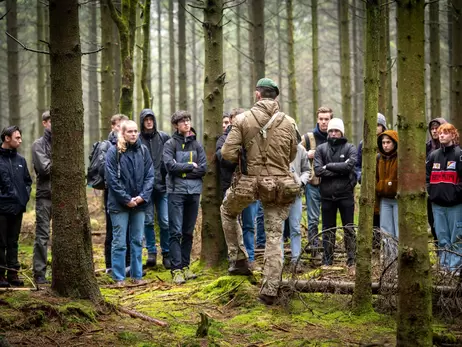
<point x="301" y="167"/>
<point x="41" y="158"/>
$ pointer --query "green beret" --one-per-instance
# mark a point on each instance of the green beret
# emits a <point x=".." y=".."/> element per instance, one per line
<point x="268" y="83"/>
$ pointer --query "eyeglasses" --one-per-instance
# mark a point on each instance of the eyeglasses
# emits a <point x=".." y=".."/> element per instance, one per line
<point x="185" y="120"/>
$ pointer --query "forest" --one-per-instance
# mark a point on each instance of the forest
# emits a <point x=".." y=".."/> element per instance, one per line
<point x="87" y="60"/>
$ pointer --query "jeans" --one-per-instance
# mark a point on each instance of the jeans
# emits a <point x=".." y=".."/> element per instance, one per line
<point x="160" y="202"/>
<point x="329" y="221"/>
<point x="182" y="216"/>
<point x="389" y="216"/>
<point x="261" y="235"/>
<point x="10" y="227"/>
<point x="313" y="210"/>
<point x="121" y="221"/>
<point x="42" y="236"/>
<point x="248" y="228"/>
<point x="295" y="216"/>
<point x="448" y="226"/>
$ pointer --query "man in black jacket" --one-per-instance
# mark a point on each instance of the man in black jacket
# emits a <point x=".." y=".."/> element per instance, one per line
<point x="154" y="140"/>
<point x="15" y="183"/>
<point x="41" y="159"/>
<point x="334" y="162"/>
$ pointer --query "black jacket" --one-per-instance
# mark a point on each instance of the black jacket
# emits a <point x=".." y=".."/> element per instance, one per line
<point x="41" y="158"/>
<point x="338" y="179"/>
<point x="444" y="173"/>
<point x="15" y="182"/>
<point x="155" y="141"/>
<point x="226" y="167"/>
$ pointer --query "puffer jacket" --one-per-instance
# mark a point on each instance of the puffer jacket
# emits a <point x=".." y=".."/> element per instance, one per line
<point x="387" y="168"/>
<point x="338" y="178"/>
<point x="155" y="141"/>
<point x="15" y="182"/>
<point x="281" y="143"/>
<point x="179" y="154"/>
<point x="128" y="174"/>
<point x="41" y="159"/>
<point x="433" y="145"/>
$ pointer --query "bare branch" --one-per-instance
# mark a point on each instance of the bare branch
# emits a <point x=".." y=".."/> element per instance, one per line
<point x="23" y="46"/>
<point x="191" y="13"/>
<point x="5" y="14"/>
<point x="231" y="6"/>
<point x="199" y="7"/>
<point x="93" y="52"/>
<point x="45" y="42"/>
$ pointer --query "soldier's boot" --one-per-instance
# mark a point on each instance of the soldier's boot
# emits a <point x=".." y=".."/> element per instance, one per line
<point x="240" y="267"/>
<point x="267" y="299"/>
<point x="152" y="260"/>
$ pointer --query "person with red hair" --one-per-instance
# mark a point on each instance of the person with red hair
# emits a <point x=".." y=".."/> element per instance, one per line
<point x="444" y="186"/>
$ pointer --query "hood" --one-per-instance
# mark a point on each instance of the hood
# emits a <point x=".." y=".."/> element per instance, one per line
<point x="268" y="106"/>
<point x="394" y="137"/>
<point x="184" y="139"/>
<point x="47" y="135"/>
<point x="319" y="132"/>
<point x="437" y="120"/>
<point x="144" y="113"/>
<point x="112" y="138"/>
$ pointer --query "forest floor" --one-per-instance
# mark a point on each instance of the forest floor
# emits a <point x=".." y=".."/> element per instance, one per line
<point x="235" y="316"/>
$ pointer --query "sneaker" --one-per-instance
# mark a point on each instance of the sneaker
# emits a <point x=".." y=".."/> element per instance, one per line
<point x="108" y="271"/>
<point x="188" y="274"/>
<point x="178" y="277"/>
<point x="127" y="271"/>
<point x="120" y="284"/>
<point x="239" y="267"/>
<point x="139" y="282"/>
<point x="14" y="280"/>
<point x="4" y="283"/>
<point x="152" y="260"/>
<point x="41" y="280"/>
<point x="266" y="299"/>
<point x="351" y="271"/>
<point x="166" y="261"/>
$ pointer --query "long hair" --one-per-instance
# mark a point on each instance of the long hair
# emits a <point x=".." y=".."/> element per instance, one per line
<point x="121" y="143"/>
<point x="449" y="128"/>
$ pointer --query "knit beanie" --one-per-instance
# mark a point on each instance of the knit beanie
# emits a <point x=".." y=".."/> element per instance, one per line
<point x="337" y="124"/>
<point x="382" y="121"/>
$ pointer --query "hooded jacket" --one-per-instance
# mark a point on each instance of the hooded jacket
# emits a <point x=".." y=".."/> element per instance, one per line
<point x="387" y="167"/>
<point x="41" y="159"/>
<point x="128" y="174"/>
<point x="334" y="162"/>
<point x="226" y="167"/>
<point x="179" y="154"/>
<point x="279" y="149"/>
<point x="155" y="141"/>
<point x="301" y="166"/>
<point x="15" y="182"/>
<point x="432" y="144"/>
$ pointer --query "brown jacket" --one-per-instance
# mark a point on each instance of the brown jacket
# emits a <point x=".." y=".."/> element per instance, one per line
<point x="281" y="140"/>
<point x="387" y="168"/>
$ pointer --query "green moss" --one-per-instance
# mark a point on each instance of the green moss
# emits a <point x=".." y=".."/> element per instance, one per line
<point x="78" y="311"/>
<point x="128" y="336"/>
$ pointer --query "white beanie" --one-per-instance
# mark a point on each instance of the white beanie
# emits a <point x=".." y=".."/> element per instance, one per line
<point x="337" y="124"/>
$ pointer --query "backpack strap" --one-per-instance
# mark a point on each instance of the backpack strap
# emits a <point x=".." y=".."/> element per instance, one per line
<point x="312" y="140"/>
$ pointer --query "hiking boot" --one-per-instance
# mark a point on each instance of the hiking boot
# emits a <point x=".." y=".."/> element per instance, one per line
<point x="178" y="277"/>
<point x="295" y="268"/>
<point x="266" y="299"/>
<point x="14" y="280"/>
<point x="188" y="274"/>
<point x="166" y="261"/>
<point x="239" y="267"/>
<point x="152" y="260"/>
<point x="254" y="267"/>
<point x="41" y="280"/>
<point x="3" y="282"/>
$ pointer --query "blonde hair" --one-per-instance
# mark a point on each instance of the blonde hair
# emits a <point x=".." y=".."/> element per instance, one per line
<point x="121" y="143"/>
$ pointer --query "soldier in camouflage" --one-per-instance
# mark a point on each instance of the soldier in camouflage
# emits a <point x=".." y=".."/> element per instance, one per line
<point x="266" y="140"/>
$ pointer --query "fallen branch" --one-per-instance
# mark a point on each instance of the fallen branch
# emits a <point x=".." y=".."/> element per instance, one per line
<point x="15" y="289"/>
<point x="136" y="314"/>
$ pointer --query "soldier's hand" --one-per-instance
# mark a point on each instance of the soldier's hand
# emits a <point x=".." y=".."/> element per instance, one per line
<point x="311" y="153"/>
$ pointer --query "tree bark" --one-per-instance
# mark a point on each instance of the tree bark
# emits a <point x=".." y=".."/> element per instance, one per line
<point x="258" y="20"/>
<point x="239" y="57"/>
<point x="293" y="105"/>
<point x="362" y="297"/>
<point x="146" y="49"/>
<point x="383" y="63"/>
<point x="252" y="74"/>
<point x="160" y="102"/>
<point x="198" y="117"/>
<point x="107" y="71"/>
<point x="73" y="271"/>
<point x="41" y="70"/>
<point x="345" y="66"/>
<point x="117" y="66"/>
<point x="183" y="95"/>
<point x="315" y="54"/>
<point x="456" y="87"/>
<point x="435" y="65"/>
<point x="171" y="50"/>
<point x="213" y="242"/>
<point x="414" y="326"/>
<point x="93" y="90"/>
<point x="449" y="41"/>
<point x="13" y="67"/>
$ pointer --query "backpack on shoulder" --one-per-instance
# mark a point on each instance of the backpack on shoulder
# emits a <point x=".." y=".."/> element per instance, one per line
<point x="312" y="178"/>
<point x="95" y="171"/>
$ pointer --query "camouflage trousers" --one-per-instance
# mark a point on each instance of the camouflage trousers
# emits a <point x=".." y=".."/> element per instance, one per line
<point x="231" y="207"/>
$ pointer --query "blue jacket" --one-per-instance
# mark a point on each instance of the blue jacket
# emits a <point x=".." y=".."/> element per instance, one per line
<point x="179" y="153"/>
<point x="136" y="176"/>
<point x="15" y="182"/>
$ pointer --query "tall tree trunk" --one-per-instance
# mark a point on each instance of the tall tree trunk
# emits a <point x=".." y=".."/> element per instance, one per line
<point x="198" y="117"/>
<point x="414" y="326"/>
<point x="146" y="49"/>
<point x="93" y="92"/>
<point x="213" y="242"/>
<point x="315" y="54"/>
<point x="13" y="68"/>
<point x="183" y="95"/>
<point x="450" y="17"/>
<point x="171" y="50"/>
<point x="383" y="63"/>
<point x="138" y="54"/>
<point x="435" y="66"/>
<point x="358" y="64"/>
<point x="280" y="41"/>
<point x="252" y="73"/>
<point x="41" y="70"/>
<point x="160" y="87"/>
<point x="345" y="65"/>
<point x="362" y="297"/>
<point x="73" y="271"/>
<point x="107" y="71"/>
<point x="293" y="105"/>
<point x="239" y="57"/>
<point x="456" y="87"/>
<point x="126" y="25"/>
<point x="117" y="65"/>
<point x="47" y="59"/>
<point x="258" y="20"/>
<point x="389" y="113"/>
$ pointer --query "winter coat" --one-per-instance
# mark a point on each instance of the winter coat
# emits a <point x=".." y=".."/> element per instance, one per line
<point x="128" y="174"/>
<point x="387" y="168"/>
<point x="226" y="167"/>
<point x="301" y="166"/>
<point x="179" y="154"/>
<point x="338" y="178"/>
<point x="433" y="145"/>
<point x="155" y="141"/>
<point x="281" y="143"/>
<point x="41" y="159"/>
<point x="444" y="173"/>
<point x="15" y="182"/>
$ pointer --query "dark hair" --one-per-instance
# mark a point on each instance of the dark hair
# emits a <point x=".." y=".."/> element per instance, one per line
<point x="269" y="93"/>
<point x="226" y="115"/>
<point x="235" y="111"/>
<point x="8" y="131"/>
<point x="46" y="116"/>
<point x="180" y="115"/>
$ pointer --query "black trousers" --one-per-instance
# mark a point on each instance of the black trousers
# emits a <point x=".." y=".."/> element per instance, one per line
<point x="10" y="226"/>
<point x="376" y="238"/>
<point x="108" y="240"/>
<point x="329" y="221"/>
<point x="431" y="220"/>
